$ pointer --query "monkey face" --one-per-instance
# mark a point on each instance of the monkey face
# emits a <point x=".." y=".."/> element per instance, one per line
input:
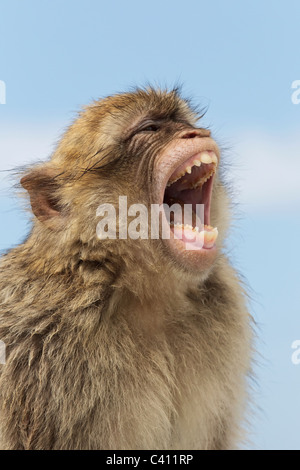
<point x="180" y="162"/>
<point x="168" y="161"/>
<point x="146" y="146"/>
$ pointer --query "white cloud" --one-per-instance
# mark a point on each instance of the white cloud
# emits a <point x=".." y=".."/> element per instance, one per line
<point x="266" y="171"/>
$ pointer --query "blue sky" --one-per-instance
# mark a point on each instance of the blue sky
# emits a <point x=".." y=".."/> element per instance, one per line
<point x="237" y="58"/>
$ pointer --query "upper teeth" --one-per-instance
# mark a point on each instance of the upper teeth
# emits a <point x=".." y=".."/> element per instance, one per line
<point x="202" y="180"/>
<point x="206" y="157"/>
<point x="203" y="157"/>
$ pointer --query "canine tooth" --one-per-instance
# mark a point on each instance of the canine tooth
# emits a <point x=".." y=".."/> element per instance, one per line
<point x="205" y="157"/>
<point x="208" y="236"/>
<point x="214" y="158"/>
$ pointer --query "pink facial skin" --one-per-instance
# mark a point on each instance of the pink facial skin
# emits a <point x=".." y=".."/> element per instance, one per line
<point x="191" y="249"/>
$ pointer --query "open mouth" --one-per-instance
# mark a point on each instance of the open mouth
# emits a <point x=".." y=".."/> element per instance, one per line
<point x="191" y="184"/>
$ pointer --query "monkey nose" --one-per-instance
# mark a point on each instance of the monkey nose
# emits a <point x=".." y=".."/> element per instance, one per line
<point x="191" y="134"/>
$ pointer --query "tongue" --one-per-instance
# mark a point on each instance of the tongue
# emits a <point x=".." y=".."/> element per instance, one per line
<point x="199" y="196"/>
<point x="181" y="193"/>
<point x="188" y="196"/>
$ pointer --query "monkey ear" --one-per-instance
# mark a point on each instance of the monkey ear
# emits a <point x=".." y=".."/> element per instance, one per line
<point x="42" y="187"/>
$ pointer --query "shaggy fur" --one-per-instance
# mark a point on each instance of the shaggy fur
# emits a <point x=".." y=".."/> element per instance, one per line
<point x="113" y="344"/>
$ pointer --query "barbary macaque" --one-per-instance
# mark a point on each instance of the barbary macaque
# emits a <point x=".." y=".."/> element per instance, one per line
<point x="122" y="343"/>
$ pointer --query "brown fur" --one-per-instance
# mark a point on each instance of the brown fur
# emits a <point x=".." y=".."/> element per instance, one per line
<point x="113" y="344"/>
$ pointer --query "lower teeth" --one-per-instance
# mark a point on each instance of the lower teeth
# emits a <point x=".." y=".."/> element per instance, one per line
<point x="207" y="234"/>
<point x="206" y="228"/>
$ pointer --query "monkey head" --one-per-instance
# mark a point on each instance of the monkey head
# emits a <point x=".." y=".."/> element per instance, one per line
<point x="145" y="145"/>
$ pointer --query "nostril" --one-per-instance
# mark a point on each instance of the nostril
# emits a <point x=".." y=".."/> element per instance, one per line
<point x="189" y="135"/>
<point x="195" y="133"/>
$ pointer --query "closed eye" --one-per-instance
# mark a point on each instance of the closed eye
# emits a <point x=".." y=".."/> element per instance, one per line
<point x="146" y="127"/>
<point x="151" y="128"/>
